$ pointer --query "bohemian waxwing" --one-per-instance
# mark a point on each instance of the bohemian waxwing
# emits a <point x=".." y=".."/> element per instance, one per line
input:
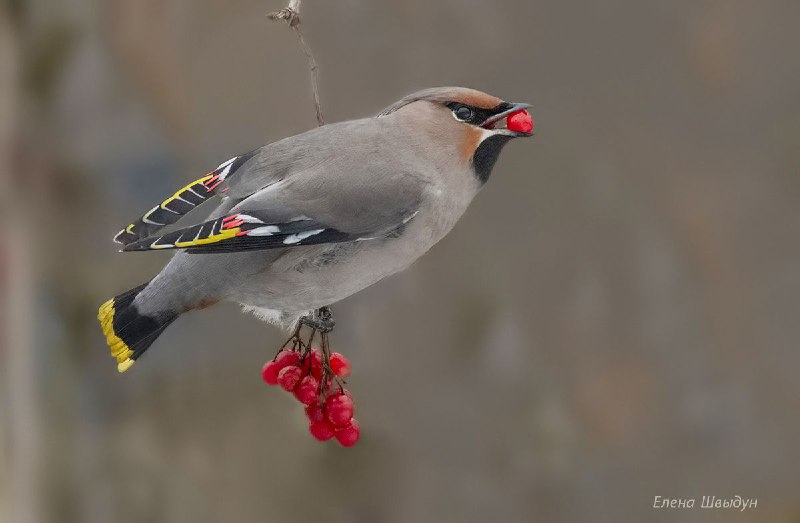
<point x="307" y="221"/>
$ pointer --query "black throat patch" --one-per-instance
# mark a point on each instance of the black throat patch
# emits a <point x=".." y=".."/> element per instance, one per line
<point x="486" y="156"/>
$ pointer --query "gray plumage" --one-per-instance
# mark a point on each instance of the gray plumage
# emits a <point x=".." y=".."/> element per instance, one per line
<point x="380" y="192"/>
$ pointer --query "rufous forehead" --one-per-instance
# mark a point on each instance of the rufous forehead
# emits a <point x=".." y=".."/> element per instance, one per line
<point x="479" y="100"/>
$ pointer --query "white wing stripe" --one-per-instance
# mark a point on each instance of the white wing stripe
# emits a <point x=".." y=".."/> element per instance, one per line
<point x="156" y="245"/>
<point x="297" y="238"/>
<point x="269" y="230"/>
<point x="246" y="218"/>
<point x="228" y="163"/>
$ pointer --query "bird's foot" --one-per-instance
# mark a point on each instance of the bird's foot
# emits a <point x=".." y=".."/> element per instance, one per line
<point x="321" y="320"/>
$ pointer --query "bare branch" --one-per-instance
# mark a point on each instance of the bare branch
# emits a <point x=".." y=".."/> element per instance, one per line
<point x="291" y="15"/>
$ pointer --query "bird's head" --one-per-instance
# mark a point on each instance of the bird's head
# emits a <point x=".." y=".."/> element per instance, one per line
<point x="479" y="124"/>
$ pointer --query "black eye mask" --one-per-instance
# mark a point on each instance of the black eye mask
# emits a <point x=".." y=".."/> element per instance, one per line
<point x="478" y="115"/>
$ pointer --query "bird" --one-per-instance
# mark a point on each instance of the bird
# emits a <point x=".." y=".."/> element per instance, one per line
<point x="311" y="219"/>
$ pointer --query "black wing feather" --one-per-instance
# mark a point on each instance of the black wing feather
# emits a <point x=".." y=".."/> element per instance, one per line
<point x="243" y="231"/>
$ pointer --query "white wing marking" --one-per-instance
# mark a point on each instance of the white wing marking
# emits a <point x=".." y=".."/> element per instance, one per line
<point x="145" y="218"/>
<point x="297" y="238"/>
<point x="269" y="230"/>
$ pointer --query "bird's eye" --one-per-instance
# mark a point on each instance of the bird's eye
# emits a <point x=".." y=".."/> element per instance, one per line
<point x="464" y="113"/>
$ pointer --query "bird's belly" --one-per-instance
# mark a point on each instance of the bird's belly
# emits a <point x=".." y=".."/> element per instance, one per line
<point x="311" y="277"/>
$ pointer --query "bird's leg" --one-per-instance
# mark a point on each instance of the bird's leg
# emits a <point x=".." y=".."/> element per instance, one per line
<point x="321" y="320"/>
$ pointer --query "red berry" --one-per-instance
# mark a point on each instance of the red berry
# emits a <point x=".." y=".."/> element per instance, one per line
<point x="269" y="372"/>
<point x="321" y="430"/>
<point x="339" y="409"/>
<point x="314" y="413"/>
<point x="316" y="364"/>
<point x="348" y="436"/>
<point x="287" y="358"/>
<point x="289" y="377"/>
<point x="340" y="365"/>
<point x="520" y="121"/>
<point x="335" y="391"/>
<point x="307" y="390"/>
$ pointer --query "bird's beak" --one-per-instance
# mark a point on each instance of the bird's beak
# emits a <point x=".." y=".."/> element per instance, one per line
<point x="517" y="120"/>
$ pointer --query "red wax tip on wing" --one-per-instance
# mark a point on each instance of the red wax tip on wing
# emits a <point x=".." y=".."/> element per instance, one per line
<point x="232" y="224"/>
<point x="520" y="121"/>
<point x="212" y="183"/>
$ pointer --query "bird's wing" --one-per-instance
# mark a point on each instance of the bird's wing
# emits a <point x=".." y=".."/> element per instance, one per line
<point x="309" y="208"/>
<point x="242" y="231"/>
<point x="321" y="147"/>
<point x="245" y="175"/>
<point x="182" y="202"/>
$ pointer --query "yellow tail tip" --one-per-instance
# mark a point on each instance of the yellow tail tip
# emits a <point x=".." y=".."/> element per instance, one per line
<point x="119" y="349"/>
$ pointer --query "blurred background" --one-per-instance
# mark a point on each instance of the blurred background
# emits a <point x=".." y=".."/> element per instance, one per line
<point x="614" y="318"/>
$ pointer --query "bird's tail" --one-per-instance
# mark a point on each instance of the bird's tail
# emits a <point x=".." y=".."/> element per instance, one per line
<point x="128" y="332"/>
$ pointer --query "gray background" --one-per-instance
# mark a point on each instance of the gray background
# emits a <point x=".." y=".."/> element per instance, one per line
<point x="615" y="317"/>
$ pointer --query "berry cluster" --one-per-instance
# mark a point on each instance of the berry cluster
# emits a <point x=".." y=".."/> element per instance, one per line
<point x="318" y="386"/>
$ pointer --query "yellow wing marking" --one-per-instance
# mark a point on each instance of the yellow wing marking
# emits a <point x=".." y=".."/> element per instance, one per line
<point x="224" y="234"/>
<point x="181" y="191"/>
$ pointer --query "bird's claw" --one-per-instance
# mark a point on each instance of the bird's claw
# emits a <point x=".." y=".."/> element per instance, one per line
<point x="321" y="320"/>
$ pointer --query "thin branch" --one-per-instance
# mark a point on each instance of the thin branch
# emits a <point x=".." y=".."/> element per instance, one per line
<point x="291" y="15"/>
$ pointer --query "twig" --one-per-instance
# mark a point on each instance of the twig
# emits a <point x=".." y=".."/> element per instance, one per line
<point x="291" y="15"/>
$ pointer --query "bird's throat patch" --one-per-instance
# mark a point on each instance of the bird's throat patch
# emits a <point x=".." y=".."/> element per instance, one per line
<point x="486" y="155"/>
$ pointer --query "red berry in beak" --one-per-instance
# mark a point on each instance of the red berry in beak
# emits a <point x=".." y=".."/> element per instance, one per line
<point x="520" y="121"/>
